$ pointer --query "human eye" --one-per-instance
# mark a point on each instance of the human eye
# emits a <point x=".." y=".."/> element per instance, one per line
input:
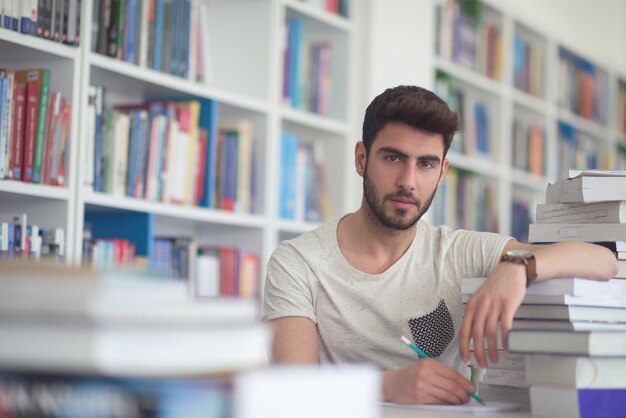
<point x="392" y="158"/>
<point x="426" y="164"/>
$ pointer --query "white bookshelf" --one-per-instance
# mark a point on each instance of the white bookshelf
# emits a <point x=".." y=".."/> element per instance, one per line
<point x="246" y="42"/>
<point x="504" y="95"/>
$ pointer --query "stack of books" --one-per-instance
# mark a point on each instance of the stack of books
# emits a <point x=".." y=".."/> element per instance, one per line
<point x="574" y="373"/>
<point x="573" y="332"/>
<point x="589" y="206"/>
<point x="76" y="344"/>
<point x="556" y="307"/>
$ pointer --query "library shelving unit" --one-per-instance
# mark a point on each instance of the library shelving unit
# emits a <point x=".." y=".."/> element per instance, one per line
<point x="46" y="206"/>
<point x="245" y="43"/>
<point x="531" y="106"/>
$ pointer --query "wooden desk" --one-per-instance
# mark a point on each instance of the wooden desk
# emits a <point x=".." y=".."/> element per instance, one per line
<point x="390" y="412"/>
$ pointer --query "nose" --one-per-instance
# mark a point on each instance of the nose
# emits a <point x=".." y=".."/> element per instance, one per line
<point x="406" y="178"/>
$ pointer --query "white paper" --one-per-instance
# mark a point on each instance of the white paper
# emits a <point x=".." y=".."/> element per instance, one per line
<point x="472" y="408"/>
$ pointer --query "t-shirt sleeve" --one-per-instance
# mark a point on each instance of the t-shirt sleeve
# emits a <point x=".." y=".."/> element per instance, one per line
<point x="476" y="254"/>
<point x="287" y="289"/>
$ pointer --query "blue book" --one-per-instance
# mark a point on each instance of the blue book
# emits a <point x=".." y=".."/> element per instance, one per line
<point x="481" y="120"/>
<point x="129" y="31"/>
<point x="287" y="195"/>
<point x="558" y="402"/>
<point x="208" y="121"/>
<point x="136" y="227"/>
<point x="295" y="58"/>
<point x="172" y="32"/>
<point x="158" y="34"/>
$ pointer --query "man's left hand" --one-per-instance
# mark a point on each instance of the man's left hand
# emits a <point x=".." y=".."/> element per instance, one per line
<point x="493" y="304"/>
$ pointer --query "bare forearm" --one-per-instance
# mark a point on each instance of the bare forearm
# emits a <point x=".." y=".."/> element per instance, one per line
<point x="575" y="259"/>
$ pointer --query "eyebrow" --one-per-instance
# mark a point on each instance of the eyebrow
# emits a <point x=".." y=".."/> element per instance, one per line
<point x="423" y="158"/>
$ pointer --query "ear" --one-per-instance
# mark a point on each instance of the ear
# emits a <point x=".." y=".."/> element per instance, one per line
<point x="444" y="169"/>
<point x="360" y="158"/>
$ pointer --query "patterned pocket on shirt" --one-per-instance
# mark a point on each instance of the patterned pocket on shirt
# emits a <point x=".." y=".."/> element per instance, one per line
<point x="433" y="332"/>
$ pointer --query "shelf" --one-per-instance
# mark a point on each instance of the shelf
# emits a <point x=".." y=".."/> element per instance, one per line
<point x="524" y="179"/>
<point x="475" y="164"/>
<point x="531" y="102"/>
<point x="593" y="128"/>
<point x="467" y="76"/>
<point x="296" y="227"/>
<point x="16" y="42"/>
<point x="35" y="190"/>
<point x="314" y="121"/>
<point x="328" y="18"/>
<point x="156" y="82"/>
<point x="188" y="213"/>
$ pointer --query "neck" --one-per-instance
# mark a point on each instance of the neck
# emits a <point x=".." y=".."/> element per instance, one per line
<point x="369" y="246"/>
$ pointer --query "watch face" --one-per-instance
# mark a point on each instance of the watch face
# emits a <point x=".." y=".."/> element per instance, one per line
<point x="519" y="253"/>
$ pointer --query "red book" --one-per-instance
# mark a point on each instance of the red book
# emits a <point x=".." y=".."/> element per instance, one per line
<point x="201" y="166"/>
<point x="16" y="158"/>
<point x="30" y="130"/>
<point x="223" y="256"/>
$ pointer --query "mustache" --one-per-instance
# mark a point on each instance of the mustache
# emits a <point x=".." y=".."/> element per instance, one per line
<point x="402" y="195"/>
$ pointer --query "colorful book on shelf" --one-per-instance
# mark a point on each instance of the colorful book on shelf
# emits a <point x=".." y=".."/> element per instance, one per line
<point x="44" y="92"/>
<point x="62" y="134"/>
<point x="32" y="80"/>
<point x="5" y="113"/>
<point x="17" y="133"/>
<point x="208" y="122"/>
<point x="558" y="402"/>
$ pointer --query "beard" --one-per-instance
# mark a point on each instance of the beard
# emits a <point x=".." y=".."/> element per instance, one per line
<point x="401" y="220"/>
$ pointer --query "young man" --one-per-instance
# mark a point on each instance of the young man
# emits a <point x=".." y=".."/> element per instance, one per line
<point x="347" y="291"/>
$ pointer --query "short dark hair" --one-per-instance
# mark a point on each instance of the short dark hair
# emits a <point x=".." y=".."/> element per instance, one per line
<point x="415" y="106"/>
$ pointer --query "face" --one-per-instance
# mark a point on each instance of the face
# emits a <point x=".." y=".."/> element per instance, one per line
<point x="401" y="174"/>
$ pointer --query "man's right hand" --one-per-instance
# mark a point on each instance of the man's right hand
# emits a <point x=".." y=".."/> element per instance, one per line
<point x="426" y="382"/>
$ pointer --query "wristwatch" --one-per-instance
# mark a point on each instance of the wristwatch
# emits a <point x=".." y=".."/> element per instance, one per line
<point x="523" y="257"/>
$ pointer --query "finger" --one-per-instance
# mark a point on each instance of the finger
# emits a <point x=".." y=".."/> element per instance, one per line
<point x="478" y="335"/>
<point x="506" y="323"/>
<point x="452" y="379"/>
<point x="464" y="333"/>
<point x="492" y="335"/>
<point x="449" y="392"/>
<point x="453" y="375"/>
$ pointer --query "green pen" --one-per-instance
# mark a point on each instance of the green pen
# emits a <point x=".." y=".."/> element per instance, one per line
<point x="422" y="354"/>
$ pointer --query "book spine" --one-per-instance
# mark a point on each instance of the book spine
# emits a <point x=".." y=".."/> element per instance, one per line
<point x="4" y="123"/>
<point x="44" y="91"/>
<point x="158" y="34"/>
<point x="32" y="96"/>
<point x="47" y="141"/>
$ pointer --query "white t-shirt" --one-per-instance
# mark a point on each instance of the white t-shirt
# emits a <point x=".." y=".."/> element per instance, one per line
<point x="360" y="317"/>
